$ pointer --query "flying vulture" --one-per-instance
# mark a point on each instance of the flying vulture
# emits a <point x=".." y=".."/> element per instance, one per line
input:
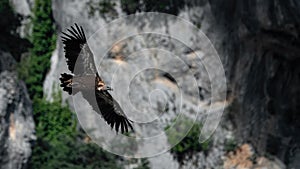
<point x="85" y="79"/>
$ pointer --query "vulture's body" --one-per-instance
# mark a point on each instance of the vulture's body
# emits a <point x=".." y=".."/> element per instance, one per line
<point x="87" y="80"/>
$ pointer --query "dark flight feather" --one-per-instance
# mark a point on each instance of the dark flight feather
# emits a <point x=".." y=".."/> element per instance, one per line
<point x="77" y="51"/>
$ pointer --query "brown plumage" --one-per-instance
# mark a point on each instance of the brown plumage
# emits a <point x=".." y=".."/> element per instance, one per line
<point x="87" y="80"/>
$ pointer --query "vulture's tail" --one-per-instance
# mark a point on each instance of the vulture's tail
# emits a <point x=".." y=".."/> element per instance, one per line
<point x="66" y="82"/>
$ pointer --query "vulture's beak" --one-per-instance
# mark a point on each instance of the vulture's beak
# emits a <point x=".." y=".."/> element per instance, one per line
<point x="108" y="88"/>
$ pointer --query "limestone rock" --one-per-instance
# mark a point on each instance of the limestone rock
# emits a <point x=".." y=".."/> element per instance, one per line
<point x="17" y="130"/>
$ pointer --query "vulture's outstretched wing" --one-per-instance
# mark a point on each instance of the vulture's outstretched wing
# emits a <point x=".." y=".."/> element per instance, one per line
<point x="105" y="105"/>
<point x="78" y="52"/>
<point x="112" y="112"/>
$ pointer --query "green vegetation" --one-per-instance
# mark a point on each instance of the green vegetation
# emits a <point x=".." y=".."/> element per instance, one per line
<point x="59" y="143"/>
<point x="144" y="164"/>
<point x="54" y="120"/>
<point x="35" y="67"/>
<point x="190" y="144"/>
<point x="130" y="6"/>
<point x="197" y="24"/>
<point x="230" y="145"/>
<point x="104" y="7"/>
<point x="164" y="6"/>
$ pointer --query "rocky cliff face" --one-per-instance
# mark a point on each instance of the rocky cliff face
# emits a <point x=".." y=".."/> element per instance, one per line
<point x="258" y="42"/>
<point x="23" y="8"/>
<point x="16" y="119"/>
<point x="260" y="49"/>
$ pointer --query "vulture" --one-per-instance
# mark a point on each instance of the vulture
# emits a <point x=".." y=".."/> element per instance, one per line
<point x="85" y="79"/>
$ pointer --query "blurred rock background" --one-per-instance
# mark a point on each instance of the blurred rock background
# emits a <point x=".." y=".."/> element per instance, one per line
<point x="258" y="43"/>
